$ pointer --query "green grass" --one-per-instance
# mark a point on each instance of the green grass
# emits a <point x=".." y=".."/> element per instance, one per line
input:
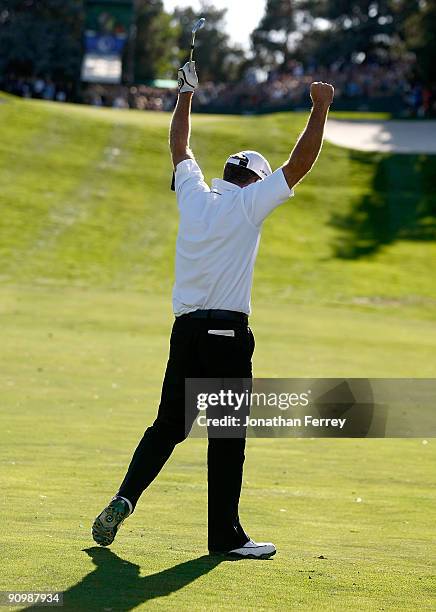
<point x="86" y="260"/>
<point x="85" y="201"/>
<point x="360" y="116"/>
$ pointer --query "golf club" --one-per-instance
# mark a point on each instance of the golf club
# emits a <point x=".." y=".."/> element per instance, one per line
<point x="197" y="26"/>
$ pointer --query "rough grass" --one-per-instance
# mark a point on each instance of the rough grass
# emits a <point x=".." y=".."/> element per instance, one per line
<point x="87" y="232"/>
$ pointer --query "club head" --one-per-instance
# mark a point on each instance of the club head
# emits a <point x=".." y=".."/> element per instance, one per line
<point x="198" y="25"/>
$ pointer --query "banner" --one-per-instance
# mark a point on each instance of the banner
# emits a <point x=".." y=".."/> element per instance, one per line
<point x="107" y="30"/>
<point x="310" y="408"/>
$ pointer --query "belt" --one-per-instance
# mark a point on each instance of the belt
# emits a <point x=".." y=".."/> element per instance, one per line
<point x="227" y="315"/>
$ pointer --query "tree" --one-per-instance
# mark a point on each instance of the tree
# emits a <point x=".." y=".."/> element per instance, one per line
<point x="419" y="32"/>
<point x="272" y="39"/>
<point x="364" y="29"/>
<point x="156" y="41"/>
<point x="217" y="59"/>
<point x="41" y="38"/>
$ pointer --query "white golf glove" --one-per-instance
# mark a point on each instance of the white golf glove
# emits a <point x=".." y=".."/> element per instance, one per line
<point x="188" y="79"/>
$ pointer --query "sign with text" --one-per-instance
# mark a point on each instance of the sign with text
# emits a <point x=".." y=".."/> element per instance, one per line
<point x="107" y="31"/>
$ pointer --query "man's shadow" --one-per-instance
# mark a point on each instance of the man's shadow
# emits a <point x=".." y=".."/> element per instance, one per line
<point x="116" y="584"/>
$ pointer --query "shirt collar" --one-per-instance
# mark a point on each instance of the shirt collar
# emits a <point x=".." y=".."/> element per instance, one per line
<point x="219" y="185"/>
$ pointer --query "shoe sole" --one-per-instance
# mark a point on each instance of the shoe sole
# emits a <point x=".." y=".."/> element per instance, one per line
<point x="103" y="535"/>
<point x="236" y="556"/>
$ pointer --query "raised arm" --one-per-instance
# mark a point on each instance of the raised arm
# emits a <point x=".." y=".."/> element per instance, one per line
<point x="181" y="129"/>
<point x="181" y="122"/>
<point x="308" y="147"/>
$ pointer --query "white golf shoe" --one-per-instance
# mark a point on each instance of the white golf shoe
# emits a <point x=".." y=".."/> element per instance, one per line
<point x="254" y="550"/>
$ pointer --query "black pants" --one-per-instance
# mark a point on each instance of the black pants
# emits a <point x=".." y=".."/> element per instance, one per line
<point x="196" y="354"/>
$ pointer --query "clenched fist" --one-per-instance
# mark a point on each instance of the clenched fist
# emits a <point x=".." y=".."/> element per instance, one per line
<point x="322" y="94"/>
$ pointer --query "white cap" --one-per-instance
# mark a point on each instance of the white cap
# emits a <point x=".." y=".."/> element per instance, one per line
<point x="253" y="161"/>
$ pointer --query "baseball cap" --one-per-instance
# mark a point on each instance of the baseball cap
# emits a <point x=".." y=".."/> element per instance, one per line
<point x="252" y="160"/>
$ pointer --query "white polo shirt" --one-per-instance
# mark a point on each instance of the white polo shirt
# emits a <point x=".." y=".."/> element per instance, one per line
<point x="218" y="238"/>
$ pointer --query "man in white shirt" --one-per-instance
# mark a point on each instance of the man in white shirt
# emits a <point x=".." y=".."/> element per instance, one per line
<point x="216" y="250"/>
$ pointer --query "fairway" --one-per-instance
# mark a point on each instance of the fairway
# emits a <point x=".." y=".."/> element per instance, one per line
<point x="87" y="230"/>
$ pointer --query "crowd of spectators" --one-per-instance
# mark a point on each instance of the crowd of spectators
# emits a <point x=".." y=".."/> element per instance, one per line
<point x="357" y="85"/>
<point x="42" y="88"/>
<point x="140" y="97"/>
<point x="292" y="86"/>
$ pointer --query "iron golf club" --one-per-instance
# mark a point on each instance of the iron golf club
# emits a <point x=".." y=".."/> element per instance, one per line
<point x="197" y="26"/>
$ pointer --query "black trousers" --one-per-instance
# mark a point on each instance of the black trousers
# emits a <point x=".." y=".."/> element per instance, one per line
<point x="194" y="353"/>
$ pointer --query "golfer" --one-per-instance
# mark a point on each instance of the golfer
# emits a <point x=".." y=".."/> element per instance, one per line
<point x="216" y="249"/>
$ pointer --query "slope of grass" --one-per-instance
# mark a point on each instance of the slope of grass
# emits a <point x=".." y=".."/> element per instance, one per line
<point x="87" y="229"/>
<point x="86" y="201"/>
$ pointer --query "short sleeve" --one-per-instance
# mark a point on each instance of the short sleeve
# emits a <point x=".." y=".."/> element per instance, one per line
<point x="261" y="198"/>
<point x="189" y="181"/>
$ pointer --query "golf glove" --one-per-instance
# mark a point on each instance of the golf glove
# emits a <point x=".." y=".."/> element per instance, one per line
<point x="188" y="80"/>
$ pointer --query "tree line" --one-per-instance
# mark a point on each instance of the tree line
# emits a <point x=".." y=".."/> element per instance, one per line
<point x="44" y="37"/>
